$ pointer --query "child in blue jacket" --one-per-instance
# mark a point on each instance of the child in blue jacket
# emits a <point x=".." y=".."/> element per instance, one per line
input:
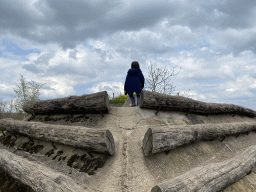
<point x="134" y="82"/>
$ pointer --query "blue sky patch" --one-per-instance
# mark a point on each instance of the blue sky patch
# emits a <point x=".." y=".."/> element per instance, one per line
<point x="83" y="89"/>
<point x="87" y="45"/>
<point x="15" y="49"/>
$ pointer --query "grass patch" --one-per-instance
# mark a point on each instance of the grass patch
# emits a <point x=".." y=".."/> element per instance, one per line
<point x="119" y="99"/>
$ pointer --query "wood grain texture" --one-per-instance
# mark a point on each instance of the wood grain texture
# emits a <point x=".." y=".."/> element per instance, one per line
<point x="99" y="140"/>
<point x="92" y="103"/>
<point x="212" y="177"/>
<point x="159" y="139"/>
<point x="153" y="100"/>
<point x="37" y="176"/>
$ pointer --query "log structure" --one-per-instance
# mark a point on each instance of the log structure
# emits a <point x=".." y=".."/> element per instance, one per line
<point x="212" y="177"/>
<point x="92" y="103"/>
<point x="99" y="140"/>
<point x="165" y="138"/>
<point x="37" y="176"/>
<point x="153" y="100"/>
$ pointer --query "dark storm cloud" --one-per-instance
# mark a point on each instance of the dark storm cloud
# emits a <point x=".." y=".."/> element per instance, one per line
<point x="69" y="23"/>
<point x="69" y="69"/>
<point x="14" y="16"/>
<point x="220" y="14"/>
<point x="31" y="67"/>
<point x="52" y="21"/>
<point x="62" y="69"/>
<point x="138" y="16"/>
<point x="44" y="58"/>
<point x="249" y="45"/>
<point x="239" y="13"/>
<point x="72" y="13"/>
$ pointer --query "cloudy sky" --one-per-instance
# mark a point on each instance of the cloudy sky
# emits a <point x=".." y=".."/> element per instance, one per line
<point x="79" y="47"/>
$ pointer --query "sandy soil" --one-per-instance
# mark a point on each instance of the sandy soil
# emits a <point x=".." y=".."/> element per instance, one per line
<point x="129" y="169"/>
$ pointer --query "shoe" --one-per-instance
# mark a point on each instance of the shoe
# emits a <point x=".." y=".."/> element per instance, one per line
<point x="133" y="105"/>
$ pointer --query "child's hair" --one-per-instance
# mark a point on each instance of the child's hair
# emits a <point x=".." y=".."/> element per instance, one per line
<point x="135" y="64"/>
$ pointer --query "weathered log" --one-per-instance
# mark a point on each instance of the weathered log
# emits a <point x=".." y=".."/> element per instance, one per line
<point x="153" y="100"/>
<point x="99" y="140"/>
<point x="35" y="175"/>
<point x="159" y="139"/>
<point x="212" y="177"/>
<point x="30" y="117"/>
<point x="92" y="103"/>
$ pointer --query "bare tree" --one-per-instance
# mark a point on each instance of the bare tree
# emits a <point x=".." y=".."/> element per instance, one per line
<point x="160" y="80"/>
<point x="26" y="91"/>
<point x="2" y="106"/>
<point x="11" y="105"/>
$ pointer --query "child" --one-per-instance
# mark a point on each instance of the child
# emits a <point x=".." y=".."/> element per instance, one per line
<point x="134" y="82"/>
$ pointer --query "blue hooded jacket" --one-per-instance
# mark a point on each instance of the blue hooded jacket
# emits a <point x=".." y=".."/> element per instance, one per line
<point x="134" y="81"/>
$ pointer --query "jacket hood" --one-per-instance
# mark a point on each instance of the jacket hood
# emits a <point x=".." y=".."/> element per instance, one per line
<point x="134" y="71"/>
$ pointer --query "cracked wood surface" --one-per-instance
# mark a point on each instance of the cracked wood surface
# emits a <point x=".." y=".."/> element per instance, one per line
<point x="100" y="140"/>
<point x="153" y="100"/>
<point x="91" y="103"/>
<point x="212" y="177"/>
<point x="165" y="138"/>
<point x="37" y="176"/>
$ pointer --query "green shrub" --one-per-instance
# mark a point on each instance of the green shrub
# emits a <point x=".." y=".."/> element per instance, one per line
<point x="119" y="99"/>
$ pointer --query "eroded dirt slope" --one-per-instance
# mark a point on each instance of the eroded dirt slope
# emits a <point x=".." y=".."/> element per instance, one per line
<point x="129" y="169"/>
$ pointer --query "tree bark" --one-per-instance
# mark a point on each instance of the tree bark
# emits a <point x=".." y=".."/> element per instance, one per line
<point x="37" y="176"/>
<point x="92" y="103"/>
<point x="153" y="100"/>
<point x="165" y="138"/>
<point x="99" y="140"/>
<point x="28" y="118"/>
<point x="213" y="177"/>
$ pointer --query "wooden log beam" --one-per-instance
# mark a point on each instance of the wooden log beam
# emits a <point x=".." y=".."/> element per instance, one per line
<point x="153" y="100"/>
<point x="159" y="139"/>
<point x="99" y="140"/>
<point x="212" y="177"/>
<point x="37" y="176"/>
<point x="92" y="103"/>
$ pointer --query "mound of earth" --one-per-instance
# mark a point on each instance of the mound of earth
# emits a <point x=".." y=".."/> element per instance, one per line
<point x="129" y="168"/>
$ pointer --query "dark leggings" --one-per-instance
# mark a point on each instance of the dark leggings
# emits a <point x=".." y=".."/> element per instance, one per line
<point x="133" y="100"/>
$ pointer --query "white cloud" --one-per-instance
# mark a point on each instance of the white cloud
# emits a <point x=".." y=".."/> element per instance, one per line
<point x="194" y="95"/>
<point x="204" y="48"/>
<point x="94" y="42"/>
<point x="6" y="88"/>
<point x="111" y="87"/>
<point x="230" y="90"/>
<point x="242" y="86"/>
<point x="60" y="87"/>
